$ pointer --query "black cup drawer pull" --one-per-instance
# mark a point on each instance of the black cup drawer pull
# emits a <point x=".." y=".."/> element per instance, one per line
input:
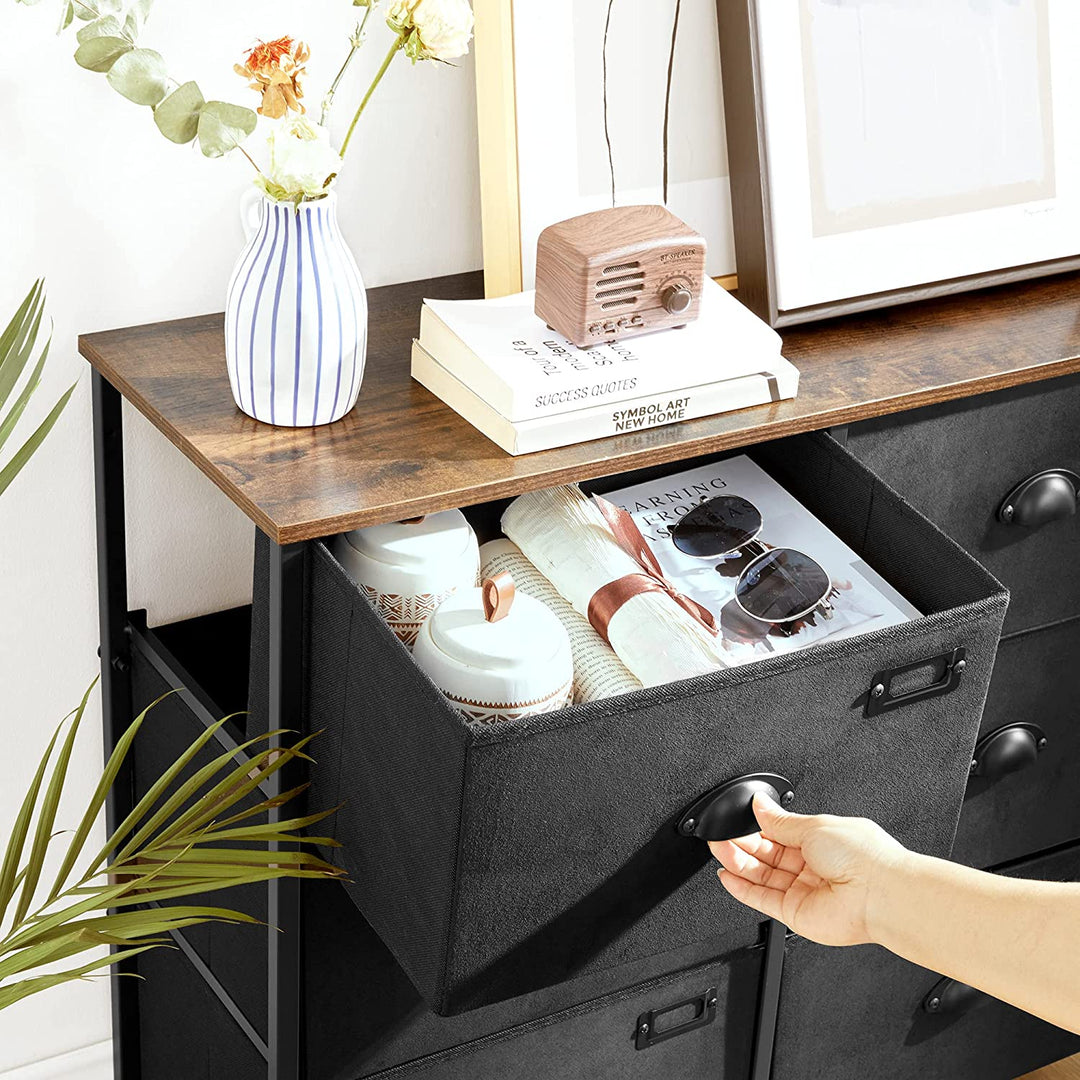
<point x="727" y="811"/>
<point x="650" y="1032"/>
<point x="1007" y="750"/>
<point x="1047" y="496"/>
<point x="951" y="998"/>
<point x="882" y="697"/>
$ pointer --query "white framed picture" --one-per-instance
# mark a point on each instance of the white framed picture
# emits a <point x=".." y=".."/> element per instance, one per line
<point x="908" y="147"/>
<point x="585" y="104"/>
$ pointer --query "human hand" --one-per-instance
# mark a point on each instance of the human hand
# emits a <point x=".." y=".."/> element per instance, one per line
<point x="819" y="875"/>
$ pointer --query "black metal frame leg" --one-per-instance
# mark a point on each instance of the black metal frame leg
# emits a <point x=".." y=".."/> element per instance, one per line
<point x="769" y="999"/>
<point x="115" y="673"/>
<point x="285" y="959"/>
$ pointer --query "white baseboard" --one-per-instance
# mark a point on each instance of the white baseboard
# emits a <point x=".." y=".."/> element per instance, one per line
<point x="86" y="1063"/>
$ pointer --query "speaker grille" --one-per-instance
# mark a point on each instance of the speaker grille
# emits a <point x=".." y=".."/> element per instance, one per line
<point x="618" y="284"/>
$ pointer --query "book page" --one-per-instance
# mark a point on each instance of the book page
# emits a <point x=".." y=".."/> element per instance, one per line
<point x="598" y="672"/>
<point x="861" y="599"/>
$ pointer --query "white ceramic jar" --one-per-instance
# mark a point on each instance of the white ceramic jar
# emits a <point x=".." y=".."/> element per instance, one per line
<point x="408" y="568"/>
<point x="496" y="655"/>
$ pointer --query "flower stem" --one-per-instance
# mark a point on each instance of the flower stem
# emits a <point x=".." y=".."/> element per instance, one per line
<point x="357" y="41"/>
<point x="250" y="158"/>
<point x="398" y="42"/>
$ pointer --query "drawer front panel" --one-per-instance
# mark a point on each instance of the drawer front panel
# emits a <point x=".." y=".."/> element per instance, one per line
<point x="956" y="463"/>
<point x="849" y="1014"/>
<point x="698" y="1025"/>
<point x="1008" y="815"/>
<point x="498" y="860"/>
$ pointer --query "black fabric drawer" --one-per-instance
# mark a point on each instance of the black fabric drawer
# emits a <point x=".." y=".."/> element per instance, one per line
<point x="364" y="1017"/>
<point x="497" y="860"/>
<point x="957" y="461"/>
<point x="1009" y="816"/>
<point x="849" y="1014"/>
<point x="362" y="1014"/>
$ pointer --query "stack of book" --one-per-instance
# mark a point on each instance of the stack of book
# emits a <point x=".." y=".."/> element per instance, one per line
<point x="527" y="388"/>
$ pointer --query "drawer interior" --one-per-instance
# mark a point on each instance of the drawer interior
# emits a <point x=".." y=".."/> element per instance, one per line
<point x="496" y="860"/>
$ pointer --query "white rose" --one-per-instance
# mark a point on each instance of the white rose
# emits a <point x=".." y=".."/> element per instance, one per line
<point x="302" y="161"/>
<point x="436" y="29"/>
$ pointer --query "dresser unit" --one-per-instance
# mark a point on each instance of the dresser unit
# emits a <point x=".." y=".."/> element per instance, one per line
<point x="520" y="902"/>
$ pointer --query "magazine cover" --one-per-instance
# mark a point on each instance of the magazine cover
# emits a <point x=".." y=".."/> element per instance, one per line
<point x="858" y="600"/>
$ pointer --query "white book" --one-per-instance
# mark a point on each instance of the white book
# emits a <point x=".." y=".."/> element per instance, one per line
<point x="862" y="600"/>
<point x="523" y="369"/>
<point x="775" y="381"/>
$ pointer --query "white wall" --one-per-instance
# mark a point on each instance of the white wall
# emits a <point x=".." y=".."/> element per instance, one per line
<point x="129" y="228"/>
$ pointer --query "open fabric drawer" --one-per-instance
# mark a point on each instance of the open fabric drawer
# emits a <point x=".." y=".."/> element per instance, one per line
<point x="495" y="860"/>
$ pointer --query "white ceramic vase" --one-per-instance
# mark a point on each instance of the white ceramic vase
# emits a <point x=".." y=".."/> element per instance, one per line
<point x="295" y="316"/>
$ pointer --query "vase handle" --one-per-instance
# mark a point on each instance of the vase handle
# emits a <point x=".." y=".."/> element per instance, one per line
<point x="251" y="211"/>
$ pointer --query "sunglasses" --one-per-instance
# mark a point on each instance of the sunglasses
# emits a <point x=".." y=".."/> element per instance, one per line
<point x="779" y="585"/>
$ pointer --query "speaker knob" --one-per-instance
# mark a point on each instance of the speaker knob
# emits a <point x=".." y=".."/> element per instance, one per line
<point x="676" y="298"/>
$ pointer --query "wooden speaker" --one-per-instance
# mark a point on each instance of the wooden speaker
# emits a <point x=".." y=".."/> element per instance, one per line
<point x="617" y="273"/>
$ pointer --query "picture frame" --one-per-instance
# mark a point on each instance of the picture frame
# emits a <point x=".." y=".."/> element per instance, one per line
<point x="795" y="267"/>
<point x="541" y="125"/>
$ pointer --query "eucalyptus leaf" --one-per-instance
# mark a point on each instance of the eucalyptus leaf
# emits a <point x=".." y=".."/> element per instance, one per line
<point x="136" y="17"/>
<point x="100" y="53"/>
<point x="141" y="76"/>
<point x="223" y="127"/>
<point x="67" y="15"/>
<point x="109" y="26"/>
<point x="177" y="117"/>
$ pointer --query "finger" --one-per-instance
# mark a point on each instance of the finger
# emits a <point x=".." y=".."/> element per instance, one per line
<point x="777" y="824"/>
<point x="734" y="858"/>
<point x="769" y="902"/>
<point x="768" y="851"/>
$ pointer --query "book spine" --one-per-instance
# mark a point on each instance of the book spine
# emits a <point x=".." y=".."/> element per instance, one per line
<point x="658" y="410"/>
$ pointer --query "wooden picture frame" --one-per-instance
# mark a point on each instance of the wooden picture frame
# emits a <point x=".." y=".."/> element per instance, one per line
<point x="739" y="25"/>
<point x="502" y="158"/>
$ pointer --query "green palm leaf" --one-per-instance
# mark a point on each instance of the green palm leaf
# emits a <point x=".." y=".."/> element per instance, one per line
<point x="17" y="343"/>
<point x="184" y="837"/>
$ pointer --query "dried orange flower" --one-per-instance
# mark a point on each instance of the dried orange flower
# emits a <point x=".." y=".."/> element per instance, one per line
<point x="275" y="69"/>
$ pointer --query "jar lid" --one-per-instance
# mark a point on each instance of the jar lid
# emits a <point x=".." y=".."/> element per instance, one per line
<point x="417" y="542"/>
<point x="491" y="628"/>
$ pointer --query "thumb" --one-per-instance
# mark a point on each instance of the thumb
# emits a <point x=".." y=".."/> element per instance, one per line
<point x="779" y="825"/>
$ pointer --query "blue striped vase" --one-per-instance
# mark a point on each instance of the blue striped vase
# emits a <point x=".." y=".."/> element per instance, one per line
<point x="296" y="318"/>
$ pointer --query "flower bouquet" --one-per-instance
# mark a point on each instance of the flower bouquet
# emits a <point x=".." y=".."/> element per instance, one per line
<point x="296" y="309"/>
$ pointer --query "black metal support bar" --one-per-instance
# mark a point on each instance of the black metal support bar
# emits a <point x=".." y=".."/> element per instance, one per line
<point x="769" y="1000"/>
<point x="285" y="967"/>
<point x="115" y="673"/>
<point x="220" y="992"/>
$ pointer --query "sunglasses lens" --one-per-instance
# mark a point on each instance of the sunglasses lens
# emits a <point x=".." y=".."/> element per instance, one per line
<point x="782" y="585"/>
<point x="716" y="527"/>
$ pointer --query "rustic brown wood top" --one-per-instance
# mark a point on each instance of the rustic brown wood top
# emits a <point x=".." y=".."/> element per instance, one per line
<point x="401" y="452"/>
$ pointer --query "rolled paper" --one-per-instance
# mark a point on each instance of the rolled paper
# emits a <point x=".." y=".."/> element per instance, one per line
<point x="567" y="538"/>
<point x="598" y="672"/>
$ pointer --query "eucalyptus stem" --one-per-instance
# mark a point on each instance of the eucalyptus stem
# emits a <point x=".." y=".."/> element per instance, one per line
<point x="357" y="41"/>
<point x="398" y="42"/>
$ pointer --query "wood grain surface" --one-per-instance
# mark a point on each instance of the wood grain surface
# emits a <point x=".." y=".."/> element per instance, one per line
<point x="401" y="452"/>
<point x="1069" y="1069"/>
